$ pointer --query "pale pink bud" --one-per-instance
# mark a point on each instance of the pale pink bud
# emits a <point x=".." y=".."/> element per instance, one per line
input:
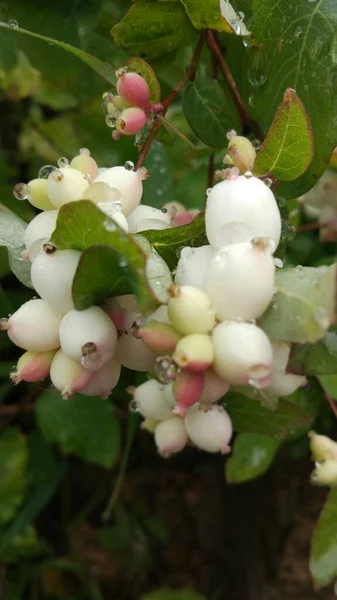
<point x="67" y="375"/>
<point x="133" y="88"/>
<point x="242" y="153"/>
<point x="194" y="352"/>
<point x="85" y="163"/>
<point x="131" y="121"/>
<point x="187" y="390"/>
<point x="160" y="337"/>
<point x="170" y="436"/>
<point x="32" y="366"/>
<point x="322" y="447"/>
<point x="215" y="388"/>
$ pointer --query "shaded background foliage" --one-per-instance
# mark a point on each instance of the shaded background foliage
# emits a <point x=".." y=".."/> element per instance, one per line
<point x="174" y="524"/>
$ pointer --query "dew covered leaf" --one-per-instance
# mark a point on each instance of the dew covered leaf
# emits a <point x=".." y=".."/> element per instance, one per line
<point x="315" y="359"/>
<point x="12" y="230"/>
<point x="209" y="111"/>
<point x="304" y="305"/>
<point x="323" y="556"/>
<point x="288" y="147"/>
<point x="111" y="257"/>
<point x="252" y="455"/>
<point x="215" y="14"/>
<point x="152" y="29"/>
<point x="251" y="417"/>
<point x="86" y="426"/>
<point x="295" y="48"/>
<point x="168" y="242"/>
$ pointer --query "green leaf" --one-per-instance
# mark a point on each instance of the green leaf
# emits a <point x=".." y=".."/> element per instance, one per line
<point x="154" y="29"/>
<point x="304" y="305"/>
<point x="84" y="425"/>
<point x="103" y="69"/>
<point x="12" y="230"/>
<point x="13" y="458"/>
<point x="209" y="111"/>
<point x="169" y="242"/>
<point x="112" y="260"/>
<point x="140" y="66"/>
<point x="251" y="417"/>
<point x="265" y="397"/>
<point x="24" y="546"/>
<point x="329" y="384"/>
<point x="251" y="456"/>
<point x="158" y="187"/>
<point x="169" y="594"/>
<point x="323" y="557"/>
<point x="288" y="148"/>
<point x="315" y="359"/>
<point x="215" y="14"/>
<point x="295" y="43"/>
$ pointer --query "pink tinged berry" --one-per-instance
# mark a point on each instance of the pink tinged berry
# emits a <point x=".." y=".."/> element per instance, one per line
<point x="40" y="228"/>
<point x="128" y="182"/>
<point x="210" y="431"/>
<point x="88" y="337"/>
<point x="146" y="217"/>
<point x="242" y="153"/>
<point x="104" y="380"/>
<point x="184" y="218"/>
<point x="34" y="326"/>
<point x="322" y="447"/>
<point x="187" y="390"/>
<point x="32" y="366"/>
<point x="190" y="310"/>
<point x="215" y="388"/>
<point x="131" y="350"/>
<point x="242" y="353"/>
<point x="325" y="474"/>
<point x="170" y="436"/>
<point x="240" y="280"/>
<point x="85" y="163"/>
<point x="133" y="88"/>
<point x="131" y="121"/>
<point x="150" y="401"/>
<point x="67" y="375"/>
<point x="52" y="276"/>
<point x="159" y="337"/>
<point x="193" y="265"/>
<point x="194" y="352"/>
<point x="38" y="196"/>
<point x="240" y="209"/>
<point x="283" y="384"/>
<point x="66" y="185"/>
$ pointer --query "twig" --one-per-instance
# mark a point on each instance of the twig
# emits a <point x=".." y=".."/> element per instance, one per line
<point x="11" y="410"/>
<point x="332" y="404"/>
<point x="188" y="75"/>
<point x="307" y="227"/>
<point x="216" y="50"/>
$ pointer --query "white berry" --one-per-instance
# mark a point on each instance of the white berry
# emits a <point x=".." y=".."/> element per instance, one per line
<point x="170" y="436"/>
<point x="211" y="430"/>
<point x="128" y="183"/>
<point x="52" y="276"/>
<point x="34" y="326"/>
<point x="151" y="401"/>
<point x="40" y="228"/>
<point x="190" y="310"/>
<point x="193" y="265"/>
<point x="67" y="375"/>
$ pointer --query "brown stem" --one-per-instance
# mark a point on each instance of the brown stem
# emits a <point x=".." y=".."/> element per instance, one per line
<point x="11" y="410"/>
<point x="188" y="75"/>
<point x="216" y="50"/>
<point x="307" y="227"/>
<point x="332" y="404"/>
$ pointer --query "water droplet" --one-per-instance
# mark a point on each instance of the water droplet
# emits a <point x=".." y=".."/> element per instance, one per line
<point x="162" y="170"/>
<point x="322" y="318"/>
<point x="159" y="192"/>
<point x="256" y="144"/>
<point x="237" y="27"/>
<point x="230" y="134"/>
<point x="246" y="41"/>
<point x="299" y="268"/>
<point x="251" y="100"/>
<point x="298" y="31"/>
<point x="268" y="182"/>
<point x="56" y="175"/>
<point x="21" y="191"/>
<point x="133" y="406"/>
<point x="123" y="262"/>
<point x="165" y="369"/>
<point x="278" y="263"/>
<point x="241" y="15"/>
<point x="179" y="251"/>
<point x="13" y="23"/>
<point x="109" y="225"/>
<point x="85" y="151"/>
<point x="45" y="171"/>
<point x="63" y="162"/>
<point x="110" y="120"/>
<point x="129" y="166"/>
<point x="248" y="174"/>
<point x="208" y="191"/>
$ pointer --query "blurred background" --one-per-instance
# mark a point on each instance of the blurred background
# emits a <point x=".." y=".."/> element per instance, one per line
<point x="177" y="530"/>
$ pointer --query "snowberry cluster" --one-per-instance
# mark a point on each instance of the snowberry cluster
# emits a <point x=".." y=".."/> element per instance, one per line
<point x="209" y="338"/>
<point x="128" y="111"/>
<point x="82" y="351"/>
<point x="321" y="203"/>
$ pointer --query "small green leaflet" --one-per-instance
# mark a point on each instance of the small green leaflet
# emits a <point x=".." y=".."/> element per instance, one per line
<point x="251" y="456"/>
